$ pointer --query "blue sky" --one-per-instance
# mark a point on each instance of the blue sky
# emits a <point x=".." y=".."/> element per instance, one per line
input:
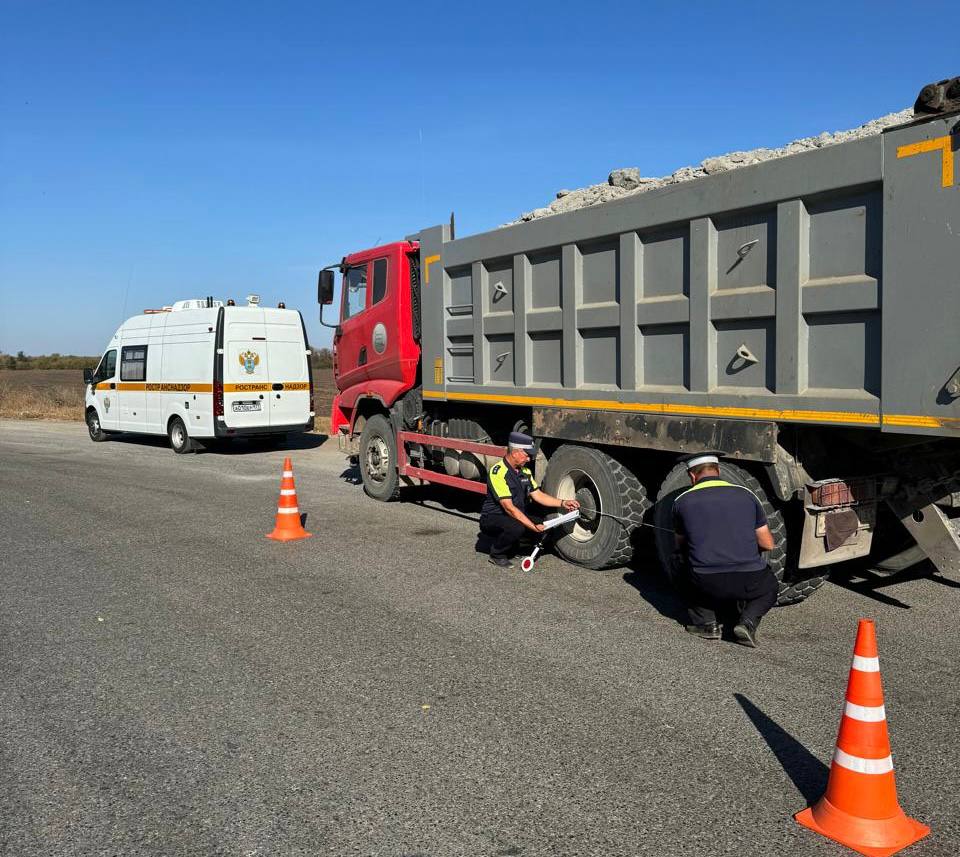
<point x="151" y="152"/>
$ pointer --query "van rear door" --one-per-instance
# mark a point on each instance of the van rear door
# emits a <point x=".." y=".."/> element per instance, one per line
<point x="246" y="384"/>
<point x="289" y="373"/>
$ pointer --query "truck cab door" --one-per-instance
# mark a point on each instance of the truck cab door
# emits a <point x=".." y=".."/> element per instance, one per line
<point x="380" y="329"/>
<point x="104" y="391"/>
<point x="351" y="342"/>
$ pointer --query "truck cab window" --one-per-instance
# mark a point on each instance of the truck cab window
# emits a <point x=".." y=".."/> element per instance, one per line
<point x="355" y="288"/>
<point x="379" y="281"/>
<point x="133" y="363"/>
<point x="107" y="367"/>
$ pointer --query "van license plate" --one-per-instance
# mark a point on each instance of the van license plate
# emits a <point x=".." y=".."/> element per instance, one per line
<point x="243" y="407"/>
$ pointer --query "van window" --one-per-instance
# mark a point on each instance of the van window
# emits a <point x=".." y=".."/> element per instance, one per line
<point x="133" y="363"/>
<point x="379" y="281"/>
<point x="107" y="367"/>
<point x="355" y="286"/>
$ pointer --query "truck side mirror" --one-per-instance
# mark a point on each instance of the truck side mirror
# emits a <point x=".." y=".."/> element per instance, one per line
<point x="88" y="376"/>
<point x="325" y="288"/>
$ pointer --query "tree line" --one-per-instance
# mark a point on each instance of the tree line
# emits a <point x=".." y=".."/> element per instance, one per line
<point x="322" y="359"/>
<point x="46" y="361"/>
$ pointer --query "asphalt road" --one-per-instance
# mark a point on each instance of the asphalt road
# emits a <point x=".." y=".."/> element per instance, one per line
<point x="173" y="683"/>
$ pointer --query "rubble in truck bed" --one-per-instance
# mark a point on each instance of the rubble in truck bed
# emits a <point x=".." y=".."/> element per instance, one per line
<point x="628" y="181"/>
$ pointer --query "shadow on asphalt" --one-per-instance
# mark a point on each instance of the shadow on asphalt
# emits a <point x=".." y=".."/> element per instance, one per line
<point x="352" y="475"/>
<point x="230" y="446"/>
<point x="871" y="582"/>
<point x="805" y="770"/>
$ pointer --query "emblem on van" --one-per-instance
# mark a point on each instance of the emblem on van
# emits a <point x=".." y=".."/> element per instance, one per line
<point x="249" y="360"/>
<point x="106" y="404"/>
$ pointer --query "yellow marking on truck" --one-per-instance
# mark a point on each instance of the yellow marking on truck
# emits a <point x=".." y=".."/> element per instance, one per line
<point x="918" y="421"/>
<point x="674" y="409"/>
<point x="296" y="385"/>
<point x="426" y="268"/>
<point x="944" y="145"/>
<point x="438" y="371"/>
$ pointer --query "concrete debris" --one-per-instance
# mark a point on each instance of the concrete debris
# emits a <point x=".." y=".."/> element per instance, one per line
<point x="627" y="181"/>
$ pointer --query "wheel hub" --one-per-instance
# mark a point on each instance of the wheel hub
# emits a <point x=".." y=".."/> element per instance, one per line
<point x="577" y="485"/>
<point x="378" y="459"/>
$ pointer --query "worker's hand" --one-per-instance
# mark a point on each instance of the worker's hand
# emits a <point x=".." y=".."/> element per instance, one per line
<point x="538" y="528"/>
<point x="570" y="505"/>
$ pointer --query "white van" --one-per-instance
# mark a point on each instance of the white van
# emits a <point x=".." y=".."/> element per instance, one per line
<point x="199" y="369"/>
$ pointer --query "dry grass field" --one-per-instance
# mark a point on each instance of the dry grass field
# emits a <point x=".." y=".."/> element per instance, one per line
<point x="41" y="394"/>
<point x="57" y="394"/>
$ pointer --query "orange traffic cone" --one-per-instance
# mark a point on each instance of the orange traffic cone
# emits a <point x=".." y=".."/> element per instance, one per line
<point x="860" y="808"/>
<point x="288" y="527"/>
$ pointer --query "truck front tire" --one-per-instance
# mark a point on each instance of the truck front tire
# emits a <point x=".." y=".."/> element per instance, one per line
<point x="793" y="586"/>
<point x="378" y="459"/>
<point x="601" y="484"/>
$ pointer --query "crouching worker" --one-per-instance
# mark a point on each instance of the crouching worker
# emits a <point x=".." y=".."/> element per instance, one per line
<point x="720" y="530"/>
<point x="510" y="484"/>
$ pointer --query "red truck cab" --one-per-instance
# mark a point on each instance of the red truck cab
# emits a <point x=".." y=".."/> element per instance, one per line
<point x="375" y="353"/>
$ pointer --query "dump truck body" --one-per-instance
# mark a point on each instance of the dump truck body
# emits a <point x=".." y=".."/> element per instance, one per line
<point x="819" y="288"/>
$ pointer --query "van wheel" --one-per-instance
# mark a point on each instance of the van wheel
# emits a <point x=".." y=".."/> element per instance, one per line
<point x="794" y="585"/>
<point x="601" y="484"/>
<point x="378" y="459"/>
<point x="180" y="441"/>
<point x="97" y="434"/>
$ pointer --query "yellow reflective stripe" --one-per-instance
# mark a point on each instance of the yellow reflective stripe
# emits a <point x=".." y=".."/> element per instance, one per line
<point x="179" y="388"/>
<point x="714" y="483"/>
<point x="266" y="388"/>
<point x="141" y="386"/>
<point x="498" y="481"/>
<point x="533" y="482"/>
<point x="787" y="415"/>
<point x="917" y="421"/>
<point x="426" y="268"/>
<point x="942" y="144"/>
<point x="246" y="388"/>
<point x="190" y="387"/>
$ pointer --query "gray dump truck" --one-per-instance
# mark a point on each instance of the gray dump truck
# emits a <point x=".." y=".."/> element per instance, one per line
<point x="800" y="316"/>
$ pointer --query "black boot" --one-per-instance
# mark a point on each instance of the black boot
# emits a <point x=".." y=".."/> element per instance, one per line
<point x="745" y="633"/>
<point x="710" y="631"/>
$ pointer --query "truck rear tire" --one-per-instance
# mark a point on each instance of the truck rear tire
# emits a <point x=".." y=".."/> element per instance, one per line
<point x="600" y="483"/>
<point x="793" y="588"/>
<point x="378" y="459"/>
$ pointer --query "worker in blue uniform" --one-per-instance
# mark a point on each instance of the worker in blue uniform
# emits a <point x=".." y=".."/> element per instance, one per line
<point x="510" y="484"/>
<point x="721" y="531"/>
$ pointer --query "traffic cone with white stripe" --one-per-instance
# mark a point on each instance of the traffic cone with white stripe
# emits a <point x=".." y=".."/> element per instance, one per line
<point x="859" y="808"/>
<point x="288" y="527"/>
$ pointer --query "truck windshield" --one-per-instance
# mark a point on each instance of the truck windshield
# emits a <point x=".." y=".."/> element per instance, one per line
<point x="355" y="286"/>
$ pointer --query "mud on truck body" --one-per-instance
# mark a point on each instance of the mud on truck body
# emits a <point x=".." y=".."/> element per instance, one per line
<point x="801" y="316"/>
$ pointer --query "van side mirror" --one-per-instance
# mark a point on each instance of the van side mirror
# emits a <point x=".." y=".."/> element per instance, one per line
<point x="88" y="376"/>
<point x="325" y="288"/>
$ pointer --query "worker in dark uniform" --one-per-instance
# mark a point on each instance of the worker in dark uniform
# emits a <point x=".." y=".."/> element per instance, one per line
<point x="721" y="530"/>
<point x="510" y="484"/>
